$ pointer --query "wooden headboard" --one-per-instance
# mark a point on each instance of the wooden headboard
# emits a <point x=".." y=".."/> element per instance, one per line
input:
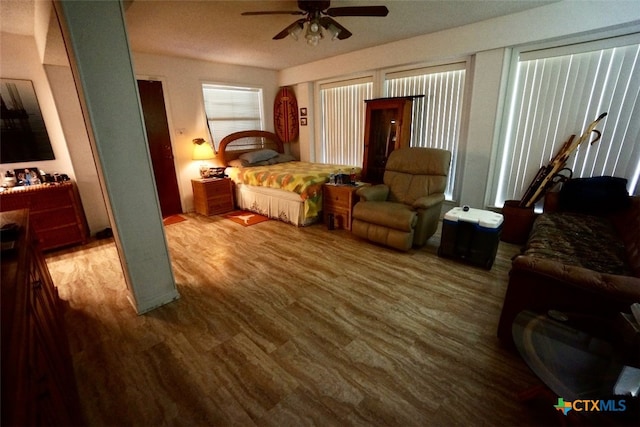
<point x="233" y="145"/>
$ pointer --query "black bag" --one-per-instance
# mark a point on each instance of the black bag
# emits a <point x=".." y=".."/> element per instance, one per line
<point x="596" y="195"/>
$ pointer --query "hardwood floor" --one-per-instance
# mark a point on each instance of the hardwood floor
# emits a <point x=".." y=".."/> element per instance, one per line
<point x="278" y="325"/>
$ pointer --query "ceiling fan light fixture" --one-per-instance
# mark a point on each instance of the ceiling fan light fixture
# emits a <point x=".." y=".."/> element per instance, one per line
<point x="333" y="31"/>
<point x="314" y="33"/>
<point x="313" y="40"/>
<point x="295" y="31"/>
<point x="318" y="17"/>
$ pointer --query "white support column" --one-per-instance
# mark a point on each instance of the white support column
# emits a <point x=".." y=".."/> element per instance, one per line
<point x="96" y="40"/>
<point x="484" y="123"/>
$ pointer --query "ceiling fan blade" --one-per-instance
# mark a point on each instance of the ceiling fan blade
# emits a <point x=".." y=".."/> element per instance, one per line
<point x="284" y="33"/>
<point x="274" y="12"/>
<point x="325" y="21"/>
<point x="358" y="11"/>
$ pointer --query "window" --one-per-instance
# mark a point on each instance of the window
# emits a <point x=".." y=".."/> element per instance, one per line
<point x="231" y="109"/>
<point x="343" y="113"/>
<point x="437" y="116"/>
<point x="556" y="93"/>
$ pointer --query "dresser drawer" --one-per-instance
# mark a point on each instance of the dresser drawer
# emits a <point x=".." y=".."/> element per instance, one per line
<point x="212" y="197"/>
<point x="59" y="236"/>
<point x="217" y="205"/>
<point x="337" y="203"/>
<point x="42" y="220"/>
<point x="335" y="196"/>
<point x="217" y="188"/>
<point x="54" y="197"/>
<point x="55" y="212"/>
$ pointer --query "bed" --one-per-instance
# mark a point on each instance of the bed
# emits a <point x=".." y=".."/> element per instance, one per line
<point x="271" y="182"/>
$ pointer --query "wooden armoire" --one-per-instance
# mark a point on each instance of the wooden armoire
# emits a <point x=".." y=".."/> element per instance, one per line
<point x="387" y="127"/>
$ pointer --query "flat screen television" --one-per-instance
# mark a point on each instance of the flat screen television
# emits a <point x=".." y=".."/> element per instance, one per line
<point x="24" y="135"/>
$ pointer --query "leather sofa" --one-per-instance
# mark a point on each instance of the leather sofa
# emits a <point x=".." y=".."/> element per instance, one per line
<point x="574" y="262"/>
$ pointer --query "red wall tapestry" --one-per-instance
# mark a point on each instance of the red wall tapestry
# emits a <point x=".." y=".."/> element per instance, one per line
<point x="285" y="115"/>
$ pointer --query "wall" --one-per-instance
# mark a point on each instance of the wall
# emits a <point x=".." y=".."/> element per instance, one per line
<point x="53" y="54"/>
<point x="80" y="151"/>
<point x="63" y="119"/>
<point x="60" y="108"/>
<point x="551" y="22"/>
<point x="182" y="79"/>
<point x="25" y="65"/>
<point x="182" y="82"/>
<point x="487" y="44"/>
<point x="304" y="149"/>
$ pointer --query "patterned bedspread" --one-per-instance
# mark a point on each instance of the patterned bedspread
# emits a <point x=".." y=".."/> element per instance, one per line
<point x="303" y="178"/>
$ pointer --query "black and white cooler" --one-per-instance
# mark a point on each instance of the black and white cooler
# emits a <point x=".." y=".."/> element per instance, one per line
<point x="471" y="235"/>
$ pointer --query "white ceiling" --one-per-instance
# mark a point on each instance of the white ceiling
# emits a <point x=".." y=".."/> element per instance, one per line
<point x="16" y="16"/>
<point x="214" y="30"/>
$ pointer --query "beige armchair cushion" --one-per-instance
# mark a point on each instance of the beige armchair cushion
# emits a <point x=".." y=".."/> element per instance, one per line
<point x="405" y="210"/>
<point x="413" y="173"/>
<point x="388" y="214"/>
<point x="373" y="193"/>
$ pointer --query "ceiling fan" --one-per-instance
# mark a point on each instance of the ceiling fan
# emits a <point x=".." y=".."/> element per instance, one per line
<point x="318" y="15"/>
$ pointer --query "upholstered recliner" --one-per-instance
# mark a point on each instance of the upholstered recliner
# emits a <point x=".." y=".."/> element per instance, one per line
<point x="404" y="211"/>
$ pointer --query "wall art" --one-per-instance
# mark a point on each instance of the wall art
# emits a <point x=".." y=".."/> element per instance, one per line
<point x="24" y="134"/>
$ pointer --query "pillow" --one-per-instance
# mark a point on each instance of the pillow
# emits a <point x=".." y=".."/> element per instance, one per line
<point x="282" y="158"/>
<point x="259" y="156"/>
<point x="261" y="163"/>
<point x="238" y="163"/>
<point x="596" y="195"/>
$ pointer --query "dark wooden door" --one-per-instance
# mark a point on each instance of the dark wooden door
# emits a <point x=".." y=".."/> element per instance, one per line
<point x="159" y="138"/>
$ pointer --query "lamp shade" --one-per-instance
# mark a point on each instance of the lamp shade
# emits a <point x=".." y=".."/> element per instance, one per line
<point x="202" y="150"/>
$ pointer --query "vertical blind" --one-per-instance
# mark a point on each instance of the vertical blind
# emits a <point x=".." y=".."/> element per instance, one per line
<point x="436" y="117"/>
<point x="343" y="115"/>
<point x="557" y="94"/>
<point x="231" y="109"/>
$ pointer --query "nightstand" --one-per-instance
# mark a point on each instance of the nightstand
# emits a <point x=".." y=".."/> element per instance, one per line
<point x="338" y="200"/>
<point x="212" y="196"/>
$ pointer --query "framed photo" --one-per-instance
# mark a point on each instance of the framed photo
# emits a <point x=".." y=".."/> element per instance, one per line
<point x="28" y="176"/>
<point x="303" y="112"/>
<point x="303" y="121"/>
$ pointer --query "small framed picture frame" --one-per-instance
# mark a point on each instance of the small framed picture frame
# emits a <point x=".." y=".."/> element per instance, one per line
<point x="303" y="121"/>
<point x="303" y="112"/>
<point x="28" y="176"/>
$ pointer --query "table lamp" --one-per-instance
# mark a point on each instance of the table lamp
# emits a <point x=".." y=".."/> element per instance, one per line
<point x="202" y="150"/>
